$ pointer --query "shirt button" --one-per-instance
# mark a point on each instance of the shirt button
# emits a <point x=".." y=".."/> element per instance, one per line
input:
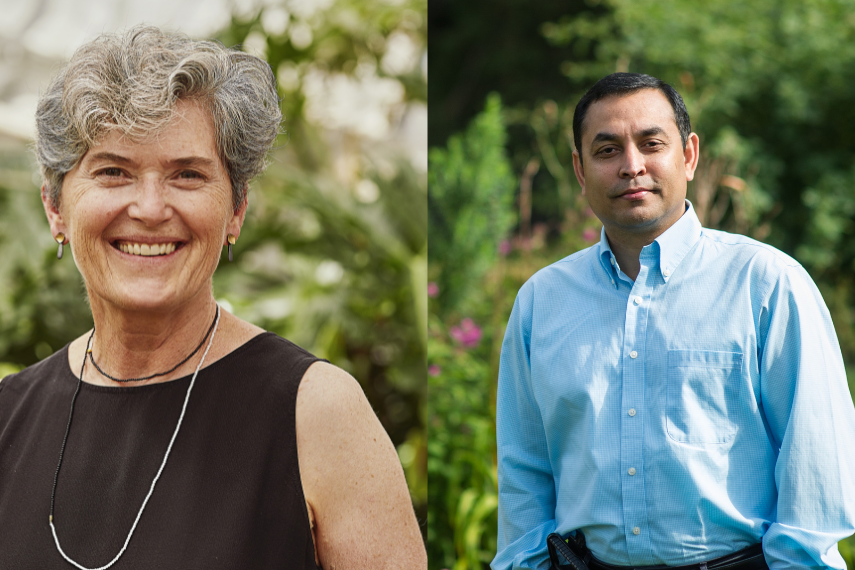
<point x="636" y="530"/>
<point x="631" y="471"/>
<point x="613" y="281"/>
<point x="631" y="411"/>
<point x="637" y="300"/>
<point x="666" y="273"/>
<point x="612" y="260"/>
<point x="633" y="354"/>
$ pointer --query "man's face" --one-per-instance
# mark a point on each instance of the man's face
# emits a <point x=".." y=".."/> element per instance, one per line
<point x="634" y="169"/>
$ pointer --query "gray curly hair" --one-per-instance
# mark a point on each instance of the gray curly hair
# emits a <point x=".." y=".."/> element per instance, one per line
<point x="131" y="81"/>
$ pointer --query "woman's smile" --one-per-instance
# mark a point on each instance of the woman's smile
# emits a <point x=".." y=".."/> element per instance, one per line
<point x="157" y="249"/>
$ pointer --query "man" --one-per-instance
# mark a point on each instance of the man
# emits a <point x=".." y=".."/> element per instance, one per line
<point x="675" y="393"/>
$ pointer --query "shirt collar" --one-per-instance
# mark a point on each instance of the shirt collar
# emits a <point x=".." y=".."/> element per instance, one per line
<point x="673" y="245"/>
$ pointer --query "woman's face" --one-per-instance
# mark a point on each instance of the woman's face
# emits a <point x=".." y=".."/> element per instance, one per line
<point x="170" y="195"/>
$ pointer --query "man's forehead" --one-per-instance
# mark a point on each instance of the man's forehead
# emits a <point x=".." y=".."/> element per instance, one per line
<point x="639" y="112"/>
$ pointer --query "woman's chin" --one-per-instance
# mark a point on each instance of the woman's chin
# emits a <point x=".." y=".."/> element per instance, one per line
<point x="152" y="295"/>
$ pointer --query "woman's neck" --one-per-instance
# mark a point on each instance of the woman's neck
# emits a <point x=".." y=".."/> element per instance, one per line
<point x="138" y="343"/>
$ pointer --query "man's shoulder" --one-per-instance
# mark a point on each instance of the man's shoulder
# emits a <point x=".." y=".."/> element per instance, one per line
<point x="559" y="275"/>
<point x="746" y="248"/>
<point x="571" y="266"/>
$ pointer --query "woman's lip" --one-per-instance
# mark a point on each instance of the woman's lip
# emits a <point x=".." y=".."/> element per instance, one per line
<point x="147" y="248"/>
<point x="147" y="240"/>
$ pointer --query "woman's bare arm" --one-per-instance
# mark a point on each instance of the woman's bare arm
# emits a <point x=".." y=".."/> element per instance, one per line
<point x="352" y="479"/>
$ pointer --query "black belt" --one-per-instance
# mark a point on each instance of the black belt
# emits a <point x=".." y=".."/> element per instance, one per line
<point x="750" y="558"/>
<point x="575" y="552"/>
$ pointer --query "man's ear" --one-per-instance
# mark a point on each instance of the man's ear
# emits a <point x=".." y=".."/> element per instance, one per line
<point x="690" y="155"/>
<point x="577" y="168"/>
<point x="238" y="216"/>
<point x="57" y="224"/>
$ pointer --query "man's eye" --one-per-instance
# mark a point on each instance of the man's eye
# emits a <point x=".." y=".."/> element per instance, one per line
<point x="189" y="175"/>
<point x="112" y="172"/>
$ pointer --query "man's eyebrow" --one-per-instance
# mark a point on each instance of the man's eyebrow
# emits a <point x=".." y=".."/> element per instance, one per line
<point x="652" y="131"/>
<point x="607" y="137"/>
<point x="601" y="137"/>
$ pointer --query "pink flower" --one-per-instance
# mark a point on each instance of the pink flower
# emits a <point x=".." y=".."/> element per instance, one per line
<point x="589" y="235"/>
<point x="468" y="333"/>
<point x="504" y="247"/>
<point x="434" y="370"/>
<point x="433" y="289"/>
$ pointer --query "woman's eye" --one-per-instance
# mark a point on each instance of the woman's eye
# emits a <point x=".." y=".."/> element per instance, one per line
<point x="112" y="172"/>
<point x="189" y="175"/>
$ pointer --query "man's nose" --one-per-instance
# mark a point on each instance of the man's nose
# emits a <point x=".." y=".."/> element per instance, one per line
<point x="633" y="163"/>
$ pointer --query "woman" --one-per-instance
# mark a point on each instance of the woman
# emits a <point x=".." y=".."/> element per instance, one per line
<point x="175" y="435"/>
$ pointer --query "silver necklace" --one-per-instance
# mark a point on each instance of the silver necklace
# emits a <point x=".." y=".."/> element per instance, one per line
<point x="159" y="471"/>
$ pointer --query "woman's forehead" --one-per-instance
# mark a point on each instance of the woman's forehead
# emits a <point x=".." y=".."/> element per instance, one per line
<point x="190" y="133"/>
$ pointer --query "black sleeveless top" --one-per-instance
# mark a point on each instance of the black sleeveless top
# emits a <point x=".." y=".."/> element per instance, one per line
<point x="229" y="498"/>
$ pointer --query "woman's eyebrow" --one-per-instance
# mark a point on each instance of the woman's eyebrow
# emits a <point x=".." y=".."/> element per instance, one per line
<point x="197" y="161"/>
<point x="186" y="161"/>
<point x="109" y="157"/>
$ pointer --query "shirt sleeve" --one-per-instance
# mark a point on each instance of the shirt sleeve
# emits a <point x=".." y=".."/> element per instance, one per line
<point x="526" y="482"/>
<point x="811" y="420"/>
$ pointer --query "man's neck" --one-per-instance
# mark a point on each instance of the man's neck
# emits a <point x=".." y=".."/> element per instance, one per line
<point x="627" y="254"/>
<point x="627" y="245"/>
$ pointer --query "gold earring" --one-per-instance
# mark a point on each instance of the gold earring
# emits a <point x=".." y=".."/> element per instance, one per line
<point x="232" y="239"/>
<point x="60" y="239"/>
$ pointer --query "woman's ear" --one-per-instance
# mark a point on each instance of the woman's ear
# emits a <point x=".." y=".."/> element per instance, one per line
<point x="57" y="224"/>
<point x="236" y="221"/>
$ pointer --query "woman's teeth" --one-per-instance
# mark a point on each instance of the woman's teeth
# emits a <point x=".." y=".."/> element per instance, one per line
<point x="147" y="249"/>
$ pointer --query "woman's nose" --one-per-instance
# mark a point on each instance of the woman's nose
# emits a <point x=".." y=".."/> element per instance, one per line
<point x="150" y="204"/>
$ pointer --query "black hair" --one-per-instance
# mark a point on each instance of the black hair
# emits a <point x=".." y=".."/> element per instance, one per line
<point x="619" y="84"/>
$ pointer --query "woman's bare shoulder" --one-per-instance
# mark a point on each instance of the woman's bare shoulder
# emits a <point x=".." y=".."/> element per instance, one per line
<point x="328" y="388"/>
<point x="352" y="478"/>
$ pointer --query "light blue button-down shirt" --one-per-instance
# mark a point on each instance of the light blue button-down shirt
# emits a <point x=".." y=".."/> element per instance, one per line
<point x="678" y="418"/>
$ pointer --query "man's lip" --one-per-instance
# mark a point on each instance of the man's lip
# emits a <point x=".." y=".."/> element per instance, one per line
<point x="634" y="193"/>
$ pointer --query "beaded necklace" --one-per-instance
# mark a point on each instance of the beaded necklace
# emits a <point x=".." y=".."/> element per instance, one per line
<point x="171" y="370"/>
<point x="213" y="331"/>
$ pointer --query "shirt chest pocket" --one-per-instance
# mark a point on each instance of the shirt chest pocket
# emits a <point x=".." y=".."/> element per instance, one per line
<point x="704" y="390"/>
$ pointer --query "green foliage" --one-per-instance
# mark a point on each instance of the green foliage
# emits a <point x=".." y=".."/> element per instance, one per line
<point x="333" y="253"/>
<point x="461" y="442"/>
<point x="471" y="193"/>
<point x="768" y="87"/>
<point x="477" y="269"/>
<point x="483" y="46"/>
<point x="777" y="75"/>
